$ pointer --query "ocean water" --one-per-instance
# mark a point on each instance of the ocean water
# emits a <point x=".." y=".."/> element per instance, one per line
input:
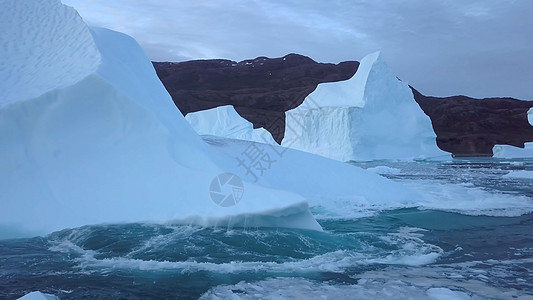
<point x="469" y="237"/>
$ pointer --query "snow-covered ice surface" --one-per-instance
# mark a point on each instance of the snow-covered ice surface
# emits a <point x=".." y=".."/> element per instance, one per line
<point x="373" y="115"/>
<point x="101" y="141"/>
<point x="334" y="189"/>
<point x="224" y="121"/>
<point x="38" y="57"/>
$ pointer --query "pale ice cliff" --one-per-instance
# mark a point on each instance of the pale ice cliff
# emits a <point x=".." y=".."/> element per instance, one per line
<point x="90" y="135"/>
<point x="224" y="121"/>
<point x="373" y="115"/>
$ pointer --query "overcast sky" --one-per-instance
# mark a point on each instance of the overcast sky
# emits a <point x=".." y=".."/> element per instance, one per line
<point x="479" y="48"/>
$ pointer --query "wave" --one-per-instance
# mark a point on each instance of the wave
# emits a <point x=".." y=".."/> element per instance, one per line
<point x="313" y="252"/>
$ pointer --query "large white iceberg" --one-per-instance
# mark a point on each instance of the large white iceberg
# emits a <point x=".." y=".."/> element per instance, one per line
<point x="224" y="121"/>
<point x="104" y="142"/>
<point x="90" y="135"/>
<point x="373" y="115"/>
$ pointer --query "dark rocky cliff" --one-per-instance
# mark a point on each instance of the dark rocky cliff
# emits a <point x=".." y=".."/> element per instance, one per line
<point x="262" y="89"/>
<point x="471" y="127"/>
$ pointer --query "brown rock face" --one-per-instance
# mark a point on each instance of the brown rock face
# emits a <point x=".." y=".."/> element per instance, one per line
<point x="260" y="89"/>
<point x="471" y="127"/>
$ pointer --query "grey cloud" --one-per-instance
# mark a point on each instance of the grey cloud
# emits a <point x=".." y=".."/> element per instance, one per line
<point x="479" y="48"/>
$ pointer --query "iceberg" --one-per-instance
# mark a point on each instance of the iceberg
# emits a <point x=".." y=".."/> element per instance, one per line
<point x="90" y="135"/>
<point x="104" y="143"/>
<point x="373" y="115"/>
<point x="224" y="121"/>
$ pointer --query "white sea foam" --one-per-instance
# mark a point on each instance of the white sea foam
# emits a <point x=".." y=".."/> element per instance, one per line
<point x="469" y="200"/>
<point x="455" y="281"/>
<point x="410" y="250"/>
<point x="336" y="262"/>
<point x="299" y="288"/>
<point x="459" y="198"/>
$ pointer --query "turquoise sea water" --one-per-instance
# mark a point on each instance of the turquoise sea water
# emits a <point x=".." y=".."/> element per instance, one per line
<point x="471" y="238"/>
